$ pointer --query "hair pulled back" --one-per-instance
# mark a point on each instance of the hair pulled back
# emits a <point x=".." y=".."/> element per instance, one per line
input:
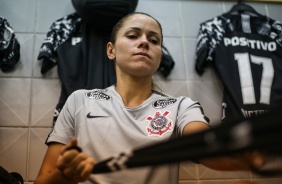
<point x="120" y="23"/>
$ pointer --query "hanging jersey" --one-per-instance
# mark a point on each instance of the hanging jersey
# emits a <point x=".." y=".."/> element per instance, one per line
<point x="105" y="127"/>
<point x="9" y="46"/>
<point x="79" y="50"/>
<point x="60" y="31"/>
<point x="246" y="53"/>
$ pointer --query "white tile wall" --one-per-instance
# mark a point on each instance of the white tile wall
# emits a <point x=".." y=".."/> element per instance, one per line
<point x="15" y="102"/>
<point x="21" y="14"/>
<point x="174" y="46"/>
<point x="43" y="100"/>
<point x="274" y="11"/>
<point x="167" y="12"/>
<point x="49" y="11"/>
<point x="195" y="12"/>
<point x="14" y="149"/>
<point x="28" y="99"/>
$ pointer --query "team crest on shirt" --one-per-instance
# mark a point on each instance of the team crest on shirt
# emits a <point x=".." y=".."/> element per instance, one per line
<point x="159" y="124"/>
<point x="160" y="104"/>
<point x="97" y="95"/>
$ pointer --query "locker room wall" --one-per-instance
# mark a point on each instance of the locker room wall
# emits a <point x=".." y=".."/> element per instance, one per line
<point x="28" y="99"/>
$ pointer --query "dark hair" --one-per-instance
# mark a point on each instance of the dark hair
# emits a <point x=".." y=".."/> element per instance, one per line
<point x="119" y="24"/>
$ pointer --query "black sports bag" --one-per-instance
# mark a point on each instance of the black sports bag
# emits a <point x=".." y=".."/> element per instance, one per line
<point x="104" y="14"/>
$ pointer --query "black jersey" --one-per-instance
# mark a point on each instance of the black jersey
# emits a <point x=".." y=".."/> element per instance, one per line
<point x="9" y="46"/>
<point x="79" y="50"/>
<point x="246" y="53"/>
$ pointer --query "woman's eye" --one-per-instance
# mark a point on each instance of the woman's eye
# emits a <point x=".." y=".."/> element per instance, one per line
<point x="131" y="36"/>
<point x="155" y="42"/>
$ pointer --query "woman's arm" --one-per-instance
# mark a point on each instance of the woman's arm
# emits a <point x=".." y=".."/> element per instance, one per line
<point x="61" y="165"/>
<point x="242" y="161"/>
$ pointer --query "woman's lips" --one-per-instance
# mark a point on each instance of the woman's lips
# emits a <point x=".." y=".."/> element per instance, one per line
<point x="143" y="54"/>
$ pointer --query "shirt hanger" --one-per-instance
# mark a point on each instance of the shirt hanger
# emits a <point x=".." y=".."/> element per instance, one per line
<point x="242" y="7"/>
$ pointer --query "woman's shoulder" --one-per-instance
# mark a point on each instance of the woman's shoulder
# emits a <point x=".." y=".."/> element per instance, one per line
<point x="161" y="99"/>
<point x="84" y="95"/>
<point x="90" y="92"/>
<point x="164" y="95"/>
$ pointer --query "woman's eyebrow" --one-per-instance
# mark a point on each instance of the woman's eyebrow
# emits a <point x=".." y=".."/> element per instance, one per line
<point x="132" y="29"/>
<point x="138" y="29"/>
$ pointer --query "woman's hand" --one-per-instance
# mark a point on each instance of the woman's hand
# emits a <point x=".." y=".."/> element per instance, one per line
<point x="254" y="159"/>
<point x="76" y="166"/>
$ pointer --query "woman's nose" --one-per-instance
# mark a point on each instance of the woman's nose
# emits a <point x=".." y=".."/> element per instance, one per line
<point x="143" y="43"/>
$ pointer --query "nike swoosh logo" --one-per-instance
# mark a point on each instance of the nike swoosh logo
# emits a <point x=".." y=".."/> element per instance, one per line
<point x="89" y="116"/>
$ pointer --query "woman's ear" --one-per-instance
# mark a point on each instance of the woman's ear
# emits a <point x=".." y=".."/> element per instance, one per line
<point x="111" y="51"/>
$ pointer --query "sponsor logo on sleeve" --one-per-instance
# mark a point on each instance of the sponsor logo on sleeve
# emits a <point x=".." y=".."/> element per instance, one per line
<point x="97" y="95"/>
<point x="160" y="104"/>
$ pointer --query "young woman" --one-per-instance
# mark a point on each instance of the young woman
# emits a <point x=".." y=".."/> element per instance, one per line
<point x="127" y="115"/>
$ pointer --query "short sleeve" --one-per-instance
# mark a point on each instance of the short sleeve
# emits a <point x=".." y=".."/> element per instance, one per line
<point x="64" y="128"/>
<point x="189" y="111"/>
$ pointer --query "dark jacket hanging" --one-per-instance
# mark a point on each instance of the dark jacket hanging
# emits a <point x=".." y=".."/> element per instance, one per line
<point x="77" y="44"/>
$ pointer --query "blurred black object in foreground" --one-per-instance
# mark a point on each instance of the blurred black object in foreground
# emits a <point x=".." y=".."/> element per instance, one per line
<point x="10" y="178"/>
<point x="262" y="133"/>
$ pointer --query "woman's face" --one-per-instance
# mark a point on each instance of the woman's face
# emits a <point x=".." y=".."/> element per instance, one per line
<point x="137" y="51"/>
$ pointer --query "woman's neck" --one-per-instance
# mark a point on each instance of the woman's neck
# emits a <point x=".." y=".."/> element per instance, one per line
<point x="134" y="93"/>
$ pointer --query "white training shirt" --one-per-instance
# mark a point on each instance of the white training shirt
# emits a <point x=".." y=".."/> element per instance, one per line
<point x="105" y="127"/>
